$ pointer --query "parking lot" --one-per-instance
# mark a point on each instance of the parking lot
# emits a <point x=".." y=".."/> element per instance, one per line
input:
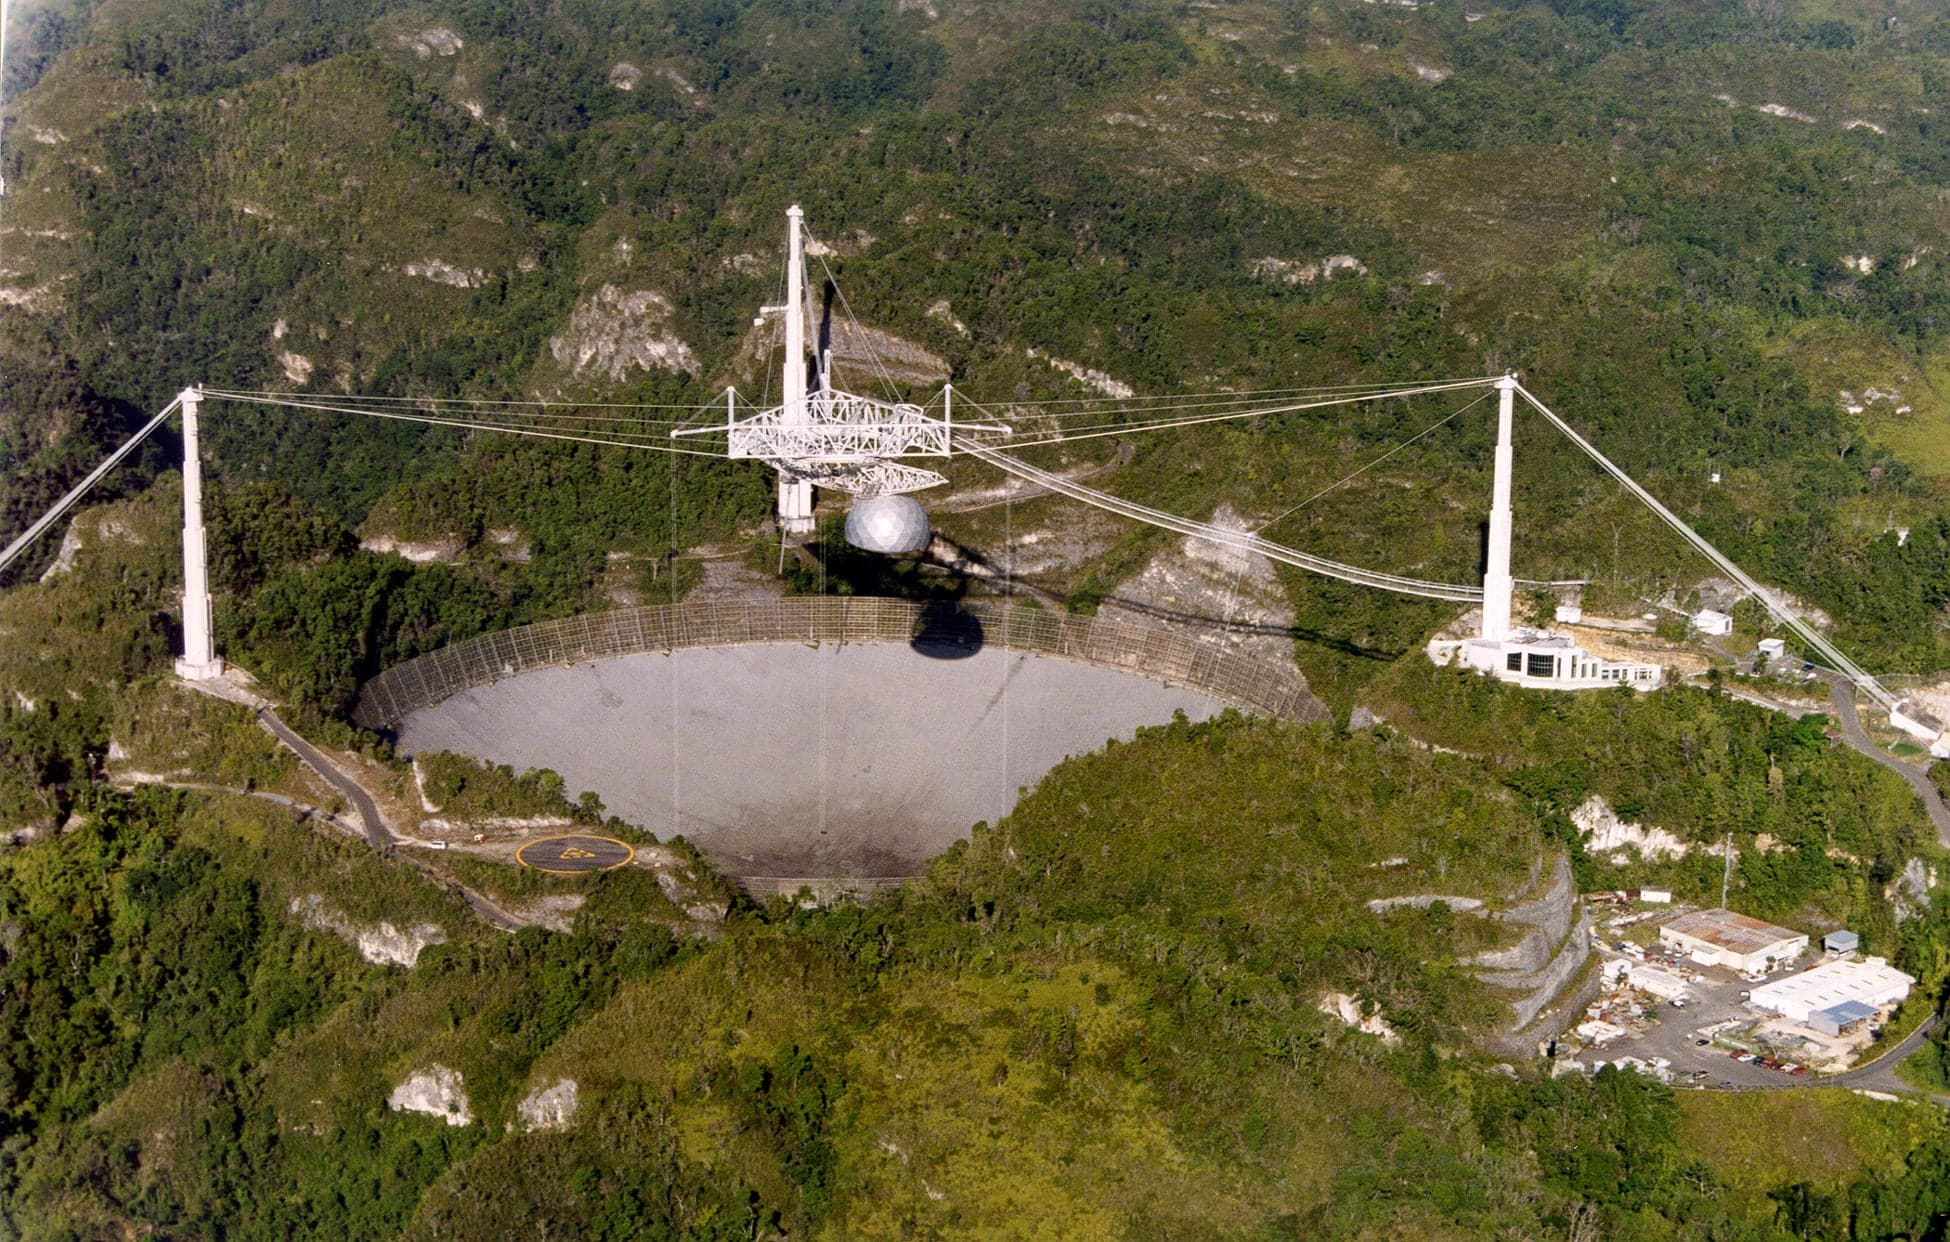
<point x="1699" y="1041"/>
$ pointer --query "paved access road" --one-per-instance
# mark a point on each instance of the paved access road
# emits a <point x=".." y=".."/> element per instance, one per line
<point x="1880" y="1074"/>
<point x="377" y="834"/>
<point x="1841" y="692"/>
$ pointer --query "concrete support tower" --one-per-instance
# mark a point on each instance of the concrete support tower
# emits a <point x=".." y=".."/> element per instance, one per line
<point x="1497" y="583"/>
<point x="795" y="495"/>
<point x="199" y="661"/>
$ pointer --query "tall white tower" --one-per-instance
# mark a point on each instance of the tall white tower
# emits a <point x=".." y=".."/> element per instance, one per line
<point x="199" y="661"/>
<point x="1497" y="583"/>
<point x="795" y="495"/>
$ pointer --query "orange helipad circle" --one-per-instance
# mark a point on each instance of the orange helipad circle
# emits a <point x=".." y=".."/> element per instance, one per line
<point x="573" y="855"/>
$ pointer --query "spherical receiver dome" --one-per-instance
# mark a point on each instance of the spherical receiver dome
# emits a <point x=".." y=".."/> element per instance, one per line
<point x="888" y="524"/>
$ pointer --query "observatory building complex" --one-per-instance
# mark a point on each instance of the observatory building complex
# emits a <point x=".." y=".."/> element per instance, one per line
<point x="1538" y="659"/>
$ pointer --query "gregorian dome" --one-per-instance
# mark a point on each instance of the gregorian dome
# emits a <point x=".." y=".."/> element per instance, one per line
<point x="887" y="524"/>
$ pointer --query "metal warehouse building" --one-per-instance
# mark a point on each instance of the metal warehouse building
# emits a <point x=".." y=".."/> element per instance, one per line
<point x="1832" y="989"/>
<point x="1723" y="938"/>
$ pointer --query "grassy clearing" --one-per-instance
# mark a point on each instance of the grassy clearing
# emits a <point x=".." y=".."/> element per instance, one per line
<point x="163" y="727"/>
<point x="1757" y="1141"/>
<point x="1837" y="356"/>
<point x="294" y="859"/>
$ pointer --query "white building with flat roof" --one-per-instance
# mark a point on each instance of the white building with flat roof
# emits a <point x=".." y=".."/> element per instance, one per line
<point x="1712" y="623"/>
<point x="1798" y="998"/>
<point x="1545" y="661"/>
<point x="1660" y="983"/>
<point x="1723" y="938"/>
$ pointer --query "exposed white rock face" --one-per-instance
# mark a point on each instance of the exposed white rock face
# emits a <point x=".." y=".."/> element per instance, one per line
<point x="1934" y="699"/>
<point x="1910" y="894"/>
<point x="47" y="136"/>
<point x="98" y="531"/>
<point x="1785" y="112"/>
<point x="1859" y="263"/>
<point x="1428" y="73"/>
<point x="1089" y="378"/>
<point x="1858" y="123"/>
<point x="433" y="41"/>
<point x="942" y="311"/>
<point x="1295" y="272"/>
<point x="64" y="559"/>
<point x="1870" y="395"/>
<point x="612" y="332"/>
<point x="624" y="76"/>
<point x="297" y="368"/>
<point x="436" y="1091"/>
<point x="382" y="944"/>
<point x="1344" y="1007"/>
<point x="444" y="273"/>
<point x="442" y="550"/>
<point x="1606" y="833"/>
<point x="555" y="911"/>
<point x="549" y="1108"/>
<point x="1215" y="594"/>
<point x="28" y="298"/>
<point x="859" y="346"/>
<point x="1422" y="901"/>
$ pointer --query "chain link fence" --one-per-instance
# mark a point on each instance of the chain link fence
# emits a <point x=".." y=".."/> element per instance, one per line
<point x="1115" y="642"/>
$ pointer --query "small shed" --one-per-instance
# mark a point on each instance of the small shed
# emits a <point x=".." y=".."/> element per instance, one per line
<point x="1570" y="614"/>
<point x="1841" y="942"/>
<point x="1713" y="624"/>
<point x="1772" y="648"/>
<point x="1837" y="1019"/>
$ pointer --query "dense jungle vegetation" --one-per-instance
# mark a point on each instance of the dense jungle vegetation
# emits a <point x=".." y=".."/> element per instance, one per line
<point x="1710" y="234"/>
<point x="1563" y="189"/>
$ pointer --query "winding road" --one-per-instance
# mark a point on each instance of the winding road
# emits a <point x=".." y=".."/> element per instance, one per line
<point x="1841" y="693"/>
<point x="377" y="834"/>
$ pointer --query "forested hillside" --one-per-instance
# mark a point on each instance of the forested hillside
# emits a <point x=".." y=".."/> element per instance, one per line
<point x="1712" y="234"/>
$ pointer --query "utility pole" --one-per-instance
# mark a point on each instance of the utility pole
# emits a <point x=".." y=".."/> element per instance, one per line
<point x="1726" y="874"/>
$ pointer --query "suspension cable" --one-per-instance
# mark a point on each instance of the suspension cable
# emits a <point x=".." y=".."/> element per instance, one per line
<point x="67" y="502"/>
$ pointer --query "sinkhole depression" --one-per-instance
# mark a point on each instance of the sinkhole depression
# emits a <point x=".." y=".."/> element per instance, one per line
<point x="812" y="738"/>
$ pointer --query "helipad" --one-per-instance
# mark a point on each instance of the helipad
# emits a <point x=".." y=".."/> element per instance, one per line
<point x="573" y="855"/>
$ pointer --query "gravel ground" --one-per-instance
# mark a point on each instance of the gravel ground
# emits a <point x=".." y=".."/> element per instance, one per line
<point x="781" y="759"/>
